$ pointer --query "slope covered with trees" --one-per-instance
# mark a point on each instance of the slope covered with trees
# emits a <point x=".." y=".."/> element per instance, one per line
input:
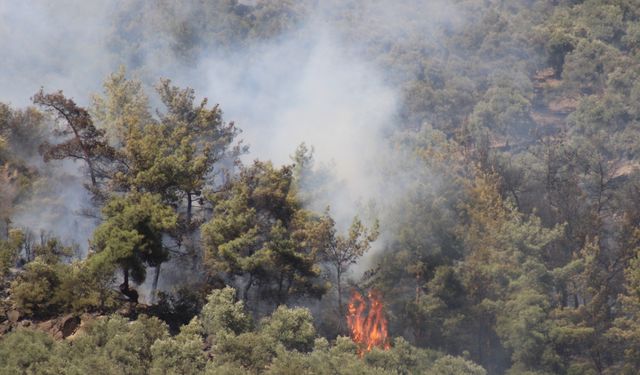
<point x="512" y="247"/>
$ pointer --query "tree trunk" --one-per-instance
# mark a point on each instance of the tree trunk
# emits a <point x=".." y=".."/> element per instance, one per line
<point x="154" y="286"/>
<point x="247" y="287"/>
<point x="280" y="295"/>
<point x="92" y="173"/>
<point x="479" y="344"/>
<point x="7" y="225"/>
<point x="339" y="277"/>
<point x="189" y="208"/>
<point x="288" y="289"/>
<point x="126" y="278"/>
<point x="85" y="150"/>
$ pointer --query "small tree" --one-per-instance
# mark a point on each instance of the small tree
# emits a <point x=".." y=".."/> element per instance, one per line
<point x="86" y="142"/>
<point x="344" y="250"/>
<point x="182" y="354"/>
<point x="223" y="315"/>
<point x="10" y="251"/>
<point x="293" y="328"/>
<point x="131" y="235"/>
<point x="261" y="236"/>
<point x="198" y="140"/>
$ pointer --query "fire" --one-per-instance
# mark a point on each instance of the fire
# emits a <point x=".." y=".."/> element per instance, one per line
<point x="368" y="329"/>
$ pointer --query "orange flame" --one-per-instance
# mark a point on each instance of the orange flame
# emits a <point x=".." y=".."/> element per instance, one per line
<point x="371" y="330"/>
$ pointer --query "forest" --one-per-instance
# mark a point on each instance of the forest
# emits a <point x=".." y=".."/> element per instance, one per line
<point x="342" y="187"/>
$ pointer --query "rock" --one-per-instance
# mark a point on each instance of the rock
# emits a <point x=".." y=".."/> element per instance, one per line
<point x="13" y="316"/>
<point x="86" y="320"/>
<point x="47" y="325"/>
<point x="69" y="324"/>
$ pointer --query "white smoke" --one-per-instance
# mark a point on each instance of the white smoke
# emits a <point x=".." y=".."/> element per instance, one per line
<point x="315" y="84"/>
<point x="58" y="45"/>
<point x="308" y="90"/>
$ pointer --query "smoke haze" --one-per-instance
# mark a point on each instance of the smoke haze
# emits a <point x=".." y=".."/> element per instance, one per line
<point x="313" y="84"/>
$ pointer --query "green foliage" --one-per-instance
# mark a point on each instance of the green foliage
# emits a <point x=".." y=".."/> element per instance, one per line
<point x="284" y="344"/>
<point x="32" y="290"/>
<point x="402" y="358"/>
<point x="21" y="132"/>
<point x="83" y="288"/>
<point x="123" y="109"/>
<point x="504" y="111"/>
<point x="27" y="351"/>
<point x="324" y="363"/>
<point x="223" y="315"/>
<point x="293" y="328"/>
<point x="182" y="354"/>
<point x="252" y="351"/>
<point x="51" y="284"/>
<point x="587" y="65"/>
<point x="225" y="369"/>
<point x="509" y="235"/>
<point x="504" y="274"/>
<point x="114" y="345"/>
<point x="179" y="307"/>
<point x="260" y="232"/>
<point x="131" y="235"/>
<point x="342" y="251"/>
<point x="83" y="140"/>
<point x="455" y="366"/>
<point x="9" y="251"/>
<point x="177" y="155"/>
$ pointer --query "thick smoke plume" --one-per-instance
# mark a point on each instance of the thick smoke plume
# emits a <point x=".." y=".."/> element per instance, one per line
<point x="313" y="84"/>
<point x="308" y="91"/>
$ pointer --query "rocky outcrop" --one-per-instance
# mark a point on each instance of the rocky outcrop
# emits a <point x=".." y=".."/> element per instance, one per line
<point x="59" y="328"/>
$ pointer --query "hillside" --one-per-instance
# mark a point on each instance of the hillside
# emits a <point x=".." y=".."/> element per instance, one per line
<point x="320" y="187"/>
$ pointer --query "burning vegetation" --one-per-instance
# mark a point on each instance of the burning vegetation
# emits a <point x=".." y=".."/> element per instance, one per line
<point x="368" y="327"/>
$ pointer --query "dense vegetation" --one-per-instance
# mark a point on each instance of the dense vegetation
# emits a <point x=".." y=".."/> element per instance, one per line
<point x="513" y="248"/>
